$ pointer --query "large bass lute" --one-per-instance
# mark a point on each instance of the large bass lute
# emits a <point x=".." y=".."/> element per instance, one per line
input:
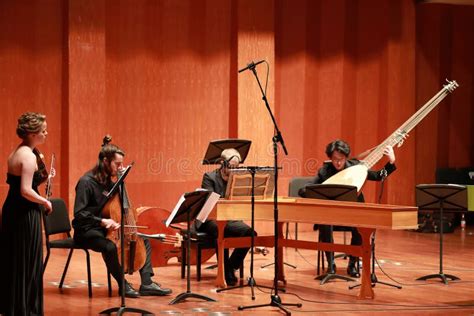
<point x="356" y="175"/>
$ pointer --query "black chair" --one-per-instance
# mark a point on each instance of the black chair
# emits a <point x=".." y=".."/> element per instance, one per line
<point x="57" y="222"/>
<point x="200" y="241"/>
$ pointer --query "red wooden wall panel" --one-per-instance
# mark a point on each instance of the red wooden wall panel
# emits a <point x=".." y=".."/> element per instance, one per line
<point x="357" y="84"/>
<point x="444" y="50"/>
<point x="31" y="47"/>
<point x="161" y="78"/>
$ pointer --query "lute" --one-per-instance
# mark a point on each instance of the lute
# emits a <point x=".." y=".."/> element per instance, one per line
<point x="356" y="175"/>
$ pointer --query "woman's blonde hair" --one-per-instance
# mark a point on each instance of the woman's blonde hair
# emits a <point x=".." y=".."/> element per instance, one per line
<point x="29" y="123"/>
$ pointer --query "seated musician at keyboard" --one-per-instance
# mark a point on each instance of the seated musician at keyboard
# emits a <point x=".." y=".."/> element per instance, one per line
<point x="338" y="152"/>
<point x="216" y="181"/>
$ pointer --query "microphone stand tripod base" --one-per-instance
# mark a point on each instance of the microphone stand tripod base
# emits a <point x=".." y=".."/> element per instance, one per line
<point x="275" y="300"/>
<point x="374" y="281"/>
<point x="251" y="283"/>
<point x="183" y="296"/>
<point x="329" y="276"/>
<point x="272" y="263"/>
<point x="442" y="276"/>
<point x="373" y="276"/>
<point x="121" y="310"/>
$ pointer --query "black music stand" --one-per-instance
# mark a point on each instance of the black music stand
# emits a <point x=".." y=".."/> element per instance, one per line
<point x="119" y="185"/>
<point x="215" y="148"/>
<point x="442" y="197"/>
<point x="337" y="192"/>
<point x="189" y="210"/>
<point x="251" y="281"/>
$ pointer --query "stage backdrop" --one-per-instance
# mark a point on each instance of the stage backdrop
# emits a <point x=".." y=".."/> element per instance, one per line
<point x="161" y="78"/>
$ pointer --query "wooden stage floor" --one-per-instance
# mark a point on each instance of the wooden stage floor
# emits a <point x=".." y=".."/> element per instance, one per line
<point x="403" y="255"/>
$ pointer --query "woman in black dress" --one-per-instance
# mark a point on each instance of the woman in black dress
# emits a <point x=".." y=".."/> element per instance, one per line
<point x="22" y="250"/>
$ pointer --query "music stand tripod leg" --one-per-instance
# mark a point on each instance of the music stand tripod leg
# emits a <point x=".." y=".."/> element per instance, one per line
<point x="250" y="281"/>
<point x="188" y="294"/>
<point x="332" y="275"/>
<point x="432" y="195"/>
<point x="444" y="277"/>
<point x="122" y="308"/>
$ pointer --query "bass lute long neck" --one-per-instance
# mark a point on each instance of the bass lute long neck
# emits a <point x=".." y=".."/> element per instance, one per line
<point x="356" y="175"/>
<point x="401" y="133"/>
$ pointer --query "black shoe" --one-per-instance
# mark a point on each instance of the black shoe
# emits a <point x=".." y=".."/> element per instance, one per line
<point x="352" y="271"/>
<point x="331" y="269"/>
<point x="154" y="289"/>
<point x="129" y="291"/>
<point x="230" y="278"/>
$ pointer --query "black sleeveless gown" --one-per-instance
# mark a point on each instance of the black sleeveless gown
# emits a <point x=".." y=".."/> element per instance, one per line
<point x="21" y="273"/>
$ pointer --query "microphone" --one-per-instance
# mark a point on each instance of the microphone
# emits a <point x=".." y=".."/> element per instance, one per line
<point x="251" y="65"/>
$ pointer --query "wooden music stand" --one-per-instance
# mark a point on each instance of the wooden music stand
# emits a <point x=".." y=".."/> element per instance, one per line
<point x="239" y="185"/>
<point x="442" y="197"/>
<point x="339" y="192"/>
<point x="242" y="184"/>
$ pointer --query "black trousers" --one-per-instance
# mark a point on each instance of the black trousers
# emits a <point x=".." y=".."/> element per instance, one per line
<point x="325" y="235"/>
<point x="95" y="240"/>
<point x="232" y="229"/>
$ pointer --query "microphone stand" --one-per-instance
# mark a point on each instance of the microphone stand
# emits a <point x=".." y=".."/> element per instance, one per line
<point x="275" y="300"/>
<point x="373" y="278"/>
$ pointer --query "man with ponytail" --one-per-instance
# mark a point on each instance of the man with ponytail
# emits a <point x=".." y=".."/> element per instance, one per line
<point x="90" y="226"/>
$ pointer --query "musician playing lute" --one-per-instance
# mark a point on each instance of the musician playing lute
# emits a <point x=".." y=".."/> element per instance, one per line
<point x="338" y="152"/>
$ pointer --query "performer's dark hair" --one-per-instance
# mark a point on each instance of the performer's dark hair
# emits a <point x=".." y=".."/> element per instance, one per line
<point x="107" y="151"/>
<point x="339" y="146"/>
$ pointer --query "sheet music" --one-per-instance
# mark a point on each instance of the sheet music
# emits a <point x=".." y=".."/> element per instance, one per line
<point x="243" y="187"/>
<point x="175" y="210"/>
<point x="208" y="206"/>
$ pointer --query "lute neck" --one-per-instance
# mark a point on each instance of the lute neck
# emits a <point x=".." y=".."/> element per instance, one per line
<point x="401" y="133"/>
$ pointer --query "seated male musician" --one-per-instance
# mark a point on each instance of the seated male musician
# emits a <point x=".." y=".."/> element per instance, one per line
<point x="90" y="228"/>
<point x="338" y="152"/>
<point x="216" y="181"/>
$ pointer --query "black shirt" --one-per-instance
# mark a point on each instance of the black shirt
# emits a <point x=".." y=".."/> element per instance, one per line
<point x="213" y="181"/>
<point x="88" y="204"/>
<point x="328" y="170"/>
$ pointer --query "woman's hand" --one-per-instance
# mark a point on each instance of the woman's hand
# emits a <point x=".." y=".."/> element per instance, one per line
<point x="109" y="223"/>
<point x="388" y="151"/>
<point x="48" y="207"/>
